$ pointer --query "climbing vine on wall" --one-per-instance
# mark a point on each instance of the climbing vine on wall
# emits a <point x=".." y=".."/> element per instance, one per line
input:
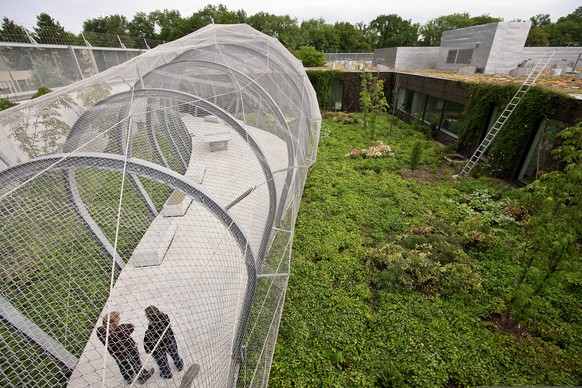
<point x="322" y="82"/>
<point x="510" y="141"/>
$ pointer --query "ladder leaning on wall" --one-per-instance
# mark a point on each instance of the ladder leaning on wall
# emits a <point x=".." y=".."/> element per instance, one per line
<point x="530" y="80"/>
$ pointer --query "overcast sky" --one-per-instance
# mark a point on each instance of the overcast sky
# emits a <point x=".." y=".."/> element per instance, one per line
<point x="72" y="13"/>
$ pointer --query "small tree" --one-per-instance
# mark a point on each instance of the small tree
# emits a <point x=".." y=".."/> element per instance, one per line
<point x="372" y="100"/>
<point x="395" y="91"/>
<point x="554" y="228"/>
<point x="415" y="155"/>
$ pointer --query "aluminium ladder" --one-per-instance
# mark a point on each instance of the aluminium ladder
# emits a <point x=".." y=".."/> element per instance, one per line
<point x="530" y="80"/>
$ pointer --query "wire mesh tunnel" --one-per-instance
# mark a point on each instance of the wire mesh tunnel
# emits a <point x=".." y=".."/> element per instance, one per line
<point x="172" y="180"/>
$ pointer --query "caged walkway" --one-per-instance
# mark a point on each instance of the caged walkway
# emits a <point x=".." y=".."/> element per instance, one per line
<point x="174" y="180"/>
<point x="195" y="230"/>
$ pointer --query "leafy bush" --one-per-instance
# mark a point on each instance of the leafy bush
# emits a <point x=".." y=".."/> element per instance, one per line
<point x="487" y="204"/>
<point x="322" y="82"/>
<point x="339" y="117"/>
<point x="424" y="268"/>
<point x="309" y="56"/>
<point x="445" y="249"/>
<point x="389" y="377"/>
<point x="6" y="103"/>
<point x="40" y="92"/>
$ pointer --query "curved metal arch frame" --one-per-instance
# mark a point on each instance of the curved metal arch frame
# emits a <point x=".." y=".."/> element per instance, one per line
<point x="255" y="87"/>
<point x="172" y="141"/>
<point x="259" y="53"/>
<point x="233" y="123"/>
<point x="166" y="176"/>
<point x="219" y="112"/>
<point x="74" y="196"/>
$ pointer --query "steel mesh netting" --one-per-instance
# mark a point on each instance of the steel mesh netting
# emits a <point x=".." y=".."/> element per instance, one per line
<point x="26" y="67"/>
<point x="172" y="180"/>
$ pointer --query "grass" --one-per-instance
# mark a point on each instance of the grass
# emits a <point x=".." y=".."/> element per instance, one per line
<point x="395" y="275"/>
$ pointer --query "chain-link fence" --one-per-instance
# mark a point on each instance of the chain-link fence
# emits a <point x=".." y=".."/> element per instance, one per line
<point x="58" y="36"/>
<point x="26" y="67"/>
<point x="357" y="57"/>
<point x="172" y="180"/>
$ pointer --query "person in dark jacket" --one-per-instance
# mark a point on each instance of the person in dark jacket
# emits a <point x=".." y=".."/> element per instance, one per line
<point x="122" y="347"/>
<point x="159" y="340"/>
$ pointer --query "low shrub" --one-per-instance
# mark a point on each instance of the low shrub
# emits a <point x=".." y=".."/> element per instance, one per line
<point x="415" y="155"/>
<point x="420" y="270"/>
<point x="40" y="92"/>
<point x="6" y="103"/>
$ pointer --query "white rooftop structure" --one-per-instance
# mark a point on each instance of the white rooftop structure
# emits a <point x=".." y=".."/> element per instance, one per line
<point x="490" y="48"/>
<point x="174" y="180"/>
<point x="494" y="48"/>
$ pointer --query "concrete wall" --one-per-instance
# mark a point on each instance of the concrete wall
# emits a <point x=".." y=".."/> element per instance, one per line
<point x="385" y="57"/>
<point x="563" y="56"/>
<point x="467" y="38"/>
<point x="507" y="46"/>
<point x="401" y="58"/>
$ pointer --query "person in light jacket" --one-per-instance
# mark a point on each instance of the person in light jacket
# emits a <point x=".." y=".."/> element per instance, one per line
<point x="160" y="341"/>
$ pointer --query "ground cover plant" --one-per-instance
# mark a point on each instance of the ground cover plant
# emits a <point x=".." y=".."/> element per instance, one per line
<point x="408" y="277"/>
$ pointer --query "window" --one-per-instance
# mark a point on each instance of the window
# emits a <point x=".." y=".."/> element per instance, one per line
<point x="417" y="106"/>
<point x="464" y="56"/>
<point x="404" y="102"/>
<point x="451" y="124"/>
<point x="539" y="157"/>
<point x="433" y="110"/>
<point x="337" y="95"/>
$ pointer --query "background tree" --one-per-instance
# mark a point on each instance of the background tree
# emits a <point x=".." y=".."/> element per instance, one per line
<point x="484" y="19"/>
<point x="220" y="14"/>
<point x="172" y="25"/>
<point x="12" y="32"/>
<point x="539" y="33"/>
<point x="567" y="31"/>
<point x="49" y="31"/>
<point x="393" y="31"/>
<point x="97" y="25"/>
<point x="283" y="28"/>
<point x="106" y="30"/>
<point x="433" y="30"/>
<point x="142" y="25"/>
<point x="351" y="38"/>
<point x="316" y="33"/>
<point x="112" y="24"/>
